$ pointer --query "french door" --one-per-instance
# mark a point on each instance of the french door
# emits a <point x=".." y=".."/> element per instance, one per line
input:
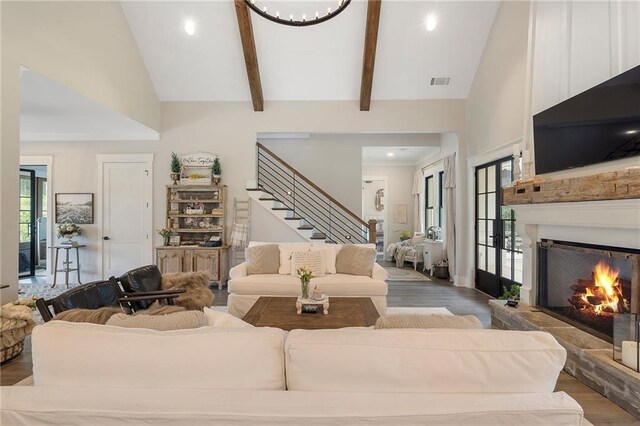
<point x="27" y="225"/>
<point x="498" y="246"/>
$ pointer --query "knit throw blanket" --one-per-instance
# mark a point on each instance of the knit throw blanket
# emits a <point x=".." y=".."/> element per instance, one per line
<point x="428" y="321"/>
<point x="401" y="253"/>
<point x="16" y="322"/>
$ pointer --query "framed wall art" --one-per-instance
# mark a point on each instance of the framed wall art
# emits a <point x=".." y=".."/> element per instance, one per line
<point x="74" y="208"/>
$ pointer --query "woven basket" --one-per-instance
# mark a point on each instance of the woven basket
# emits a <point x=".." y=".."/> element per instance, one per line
<point x="15" y="336"/>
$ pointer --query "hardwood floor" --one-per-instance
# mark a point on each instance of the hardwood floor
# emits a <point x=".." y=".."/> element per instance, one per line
<point x="438" y="293"/>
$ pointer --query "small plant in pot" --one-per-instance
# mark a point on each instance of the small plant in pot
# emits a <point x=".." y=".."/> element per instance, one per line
<point x="440" y="269"/>
<point x="511" y="295"/>
<point x="175" y="168"/>
<point x="404" y="235"/>
<point x="216" y="171"/>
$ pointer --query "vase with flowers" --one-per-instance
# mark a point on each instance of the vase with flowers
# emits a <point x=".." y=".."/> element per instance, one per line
<point x="166" y="234"/>
<point x="305" y="276"/>
<point x="68" y="231"/>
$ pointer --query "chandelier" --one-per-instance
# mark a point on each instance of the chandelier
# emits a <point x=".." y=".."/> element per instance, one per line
<point x="298" y="21"/>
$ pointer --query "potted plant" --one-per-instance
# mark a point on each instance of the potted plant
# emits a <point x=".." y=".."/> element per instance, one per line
<point x="68" y="231"/>
<point x="175" y="168"/>
<point x="166" y="234"/>
<point x="440" y="269"/>
<point x="404" y="235"/>
<point x="216" y="171"/>
<point x="511" y="295"/>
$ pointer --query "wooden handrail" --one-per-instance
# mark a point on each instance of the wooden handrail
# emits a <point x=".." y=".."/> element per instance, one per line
<point x="313" y="185"/>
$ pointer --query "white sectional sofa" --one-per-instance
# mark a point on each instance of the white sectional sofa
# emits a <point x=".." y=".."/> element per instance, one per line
<point x="93" y="374"/>
<point x="244" y="290"/>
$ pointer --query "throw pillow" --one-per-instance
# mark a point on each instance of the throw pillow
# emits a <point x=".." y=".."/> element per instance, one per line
<point x="313" y="260"/>
<point x="197" y="294"/>
<point x="224" y="320"/>
<point x="330" y="252"/>
<point x="157" y="309"/>
<point x="262" y="259"/>
<point x="428" y="321"/>
<point x="286" y="249"/>
<point x="93" y="316"/>
<point x="417" y="239"/>
<point x="174" y="321"/>
<point x="354" y="260"/>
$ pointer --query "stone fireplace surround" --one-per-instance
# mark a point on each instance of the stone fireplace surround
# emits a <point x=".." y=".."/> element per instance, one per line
<point x="606" y="223"/>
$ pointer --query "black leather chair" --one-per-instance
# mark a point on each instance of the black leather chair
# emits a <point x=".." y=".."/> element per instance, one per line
<point x="100" y="294"/>
<point x="144" y="280"/>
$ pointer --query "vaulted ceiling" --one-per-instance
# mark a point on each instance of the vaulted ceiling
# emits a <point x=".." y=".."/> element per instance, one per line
<point x="322" y="62"/>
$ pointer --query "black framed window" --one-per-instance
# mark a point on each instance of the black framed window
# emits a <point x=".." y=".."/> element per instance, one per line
<point x="25" y="208"/>
<point x="440" y="195"/>
<point x="429" y="203"/>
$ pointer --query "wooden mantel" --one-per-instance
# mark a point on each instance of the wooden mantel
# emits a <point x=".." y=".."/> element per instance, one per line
<point x="619" y="185"/>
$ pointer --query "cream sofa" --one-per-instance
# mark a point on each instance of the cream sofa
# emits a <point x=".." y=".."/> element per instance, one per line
<point x="92" y="374"/>
<point x="244" y="290"/>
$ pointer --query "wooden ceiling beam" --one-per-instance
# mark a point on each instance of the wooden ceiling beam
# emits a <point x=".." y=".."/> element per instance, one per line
<point x="369" y="57"/>
<point x="250" y="55"/>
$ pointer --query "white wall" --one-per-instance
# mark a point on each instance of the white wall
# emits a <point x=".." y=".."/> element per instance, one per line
<point x="229" y="129"/>
<point x="577" y="45"/>
<point x="399" y="185"/>
<point x="495" y="105"/>
<point x="95" y="57"/>
<point x="334" y="161"/>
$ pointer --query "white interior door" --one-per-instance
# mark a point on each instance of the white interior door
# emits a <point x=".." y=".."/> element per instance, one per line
<point x="126" y="217"/>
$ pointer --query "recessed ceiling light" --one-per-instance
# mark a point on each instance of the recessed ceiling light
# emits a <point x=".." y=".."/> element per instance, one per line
<point x="631" y="132"/>
<point x="431" y="22"/>
<point x="190" y="27"/>
<point x="390" y="154"/>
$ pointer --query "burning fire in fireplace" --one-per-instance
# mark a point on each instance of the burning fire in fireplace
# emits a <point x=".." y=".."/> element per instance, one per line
<point x="602" y="295"/>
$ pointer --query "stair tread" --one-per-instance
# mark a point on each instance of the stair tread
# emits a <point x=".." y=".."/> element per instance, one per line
<point x="293" y="218"/>
<point x="281" y="208"/>
<point x="268" y="199"/>
<point x="304" y="227"/>
<point x="318" y="237"/>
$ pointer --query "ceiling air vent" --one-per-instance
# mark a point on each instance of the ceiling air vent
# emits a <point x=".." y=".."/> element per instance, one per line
<point x="440" y="81"/>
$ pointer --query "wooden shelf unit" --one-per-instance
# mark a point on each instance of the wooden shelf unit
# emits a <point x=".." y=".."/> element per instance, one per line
<point x="194" y="230"/>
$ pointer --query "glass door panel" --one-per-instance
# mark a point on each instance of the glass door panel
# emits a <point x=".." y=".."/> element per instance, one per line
<point x="499" y="248"/>
<point x="26" y="226"/>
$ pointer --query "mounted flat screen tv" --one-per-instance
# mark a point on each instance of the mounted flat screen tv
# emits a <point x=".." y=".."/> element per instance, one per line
<point x="598" y="125"/>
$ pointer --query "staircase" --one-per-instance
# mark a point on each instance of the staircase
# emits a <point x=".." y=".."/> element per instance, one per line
<point x="305" y="207"/>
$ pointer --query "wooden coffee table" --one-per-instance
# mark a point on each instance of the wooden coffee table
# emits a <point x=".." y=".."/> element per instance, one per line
<point x="280" y="312"/>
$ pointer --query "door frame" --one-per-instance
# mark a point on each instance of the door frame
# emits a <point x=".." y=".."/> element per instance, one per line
<point x="494" y="154"/>
<point x="103" y="159"/>
<point x="33" y="238"/>
<point x="45" y="160"/>
<point x="385" y="237"/>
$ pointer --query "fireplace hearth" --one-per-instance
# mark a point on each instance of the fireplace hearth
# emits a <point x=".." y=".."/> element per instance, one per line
<point x="587" y="285"/>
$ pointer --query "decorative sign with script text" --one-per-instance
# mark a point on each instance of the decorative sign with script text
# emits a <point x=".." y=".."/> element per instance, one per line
<point x="196" y="168"/>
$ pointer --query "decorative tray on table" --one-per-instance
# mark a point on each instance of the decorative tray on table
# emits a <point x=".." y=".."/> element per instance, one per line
<point x="311" y="305"/>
